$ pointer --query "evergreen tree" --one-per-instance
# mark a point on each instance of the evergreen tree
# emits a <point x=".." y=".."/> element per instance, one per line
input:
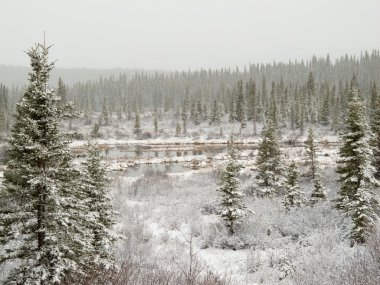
<point x="216" y="114"/>
<point x="240" y="104"/>
<point x="284" y="107"/>
<point x="319" y="193"/>
<point x="205" y="114"/>
<point x="101" y="214"/>
<point x="233" y="209"/>
<point x="293" y="196"/>
<point x="4" y="118"/>
<point x="232" y="109"/>
<point x="325" y="109"/>
<point x="357" y="179"/>
<point x="129" y="112"/>
<point x="177" y="113"/>
<point x="105" y="113"/>
<point x="311" y="152"/>
<point x="272" y="115"/>
<point x="336" y="115"/>
<point x="185" y="114"/>
<point x="200" y="110"/>
<point x="375" y="127"/>
<point x="252" y="104"/>
<point x="264" y="93"/>
<point x="155" y="123"/>
<point x="62" y="92"/>
<point x="197" y="117"/>
<point x="310" y="99"/>
<point x="43" y="225"/>
<point x="193" y="111"/>
<point x="137" y="127"/>
<point x="178" y="129"/>
<point x="119" y="113"/>
<point x="87" y="109"/>
<point x="269" y="162"/>
<point x="301" y="118"/>
<point x="166" y="103"/>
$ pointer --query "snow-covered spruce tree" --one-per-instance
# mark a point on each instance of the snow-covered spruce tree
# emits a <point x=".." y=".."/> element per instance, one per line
<point x="205" y="113"/>
<point x="185" y="115"/>
<point x="241" y="105"/>
<point x="43" y="226"/>
<point x="252" y="104"/>
<point x="318" y="193"/>
<point x="293" y="196"/>
<point x="216" y="114"/>
<point x="155" y="123"/>
<point x="4" y="117"/>
<point x="62" y="92"/>
<point x="197" y="118"/>
<point x="200" y="112"/>
<point x="106" y="118"/>
<point x="100" y="212"/>
<point x="232" y="109"/>
<point x="233" y="209"/>
<point x="375" y="127"/>
<point x="324" y="113"/>
<point x="178" y="129"/>
<point x="311" y="152"/>
<point x="137" y="127"/>
<point x="269" y="162"/>
<point x="357" y="179"/>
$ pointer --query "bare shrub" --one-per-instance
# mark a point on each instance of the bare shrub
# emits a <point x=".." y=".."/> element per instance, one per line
<point x="145" y="136"/>
<point x="146" y="270"/>
<point x="151" y="181"/>
<point x="121" y="134"/>
<point x="148" y="274"/>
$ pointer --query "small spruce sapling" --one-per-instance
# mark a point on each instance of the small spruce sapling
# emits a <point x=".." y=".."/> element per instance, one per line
<point x="294" y="196"/>
<point x="233" y="208"/>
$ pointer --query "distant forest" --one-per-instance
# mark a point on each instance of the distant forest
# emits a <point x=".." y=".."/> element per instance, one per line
<point x="297" y="92"/>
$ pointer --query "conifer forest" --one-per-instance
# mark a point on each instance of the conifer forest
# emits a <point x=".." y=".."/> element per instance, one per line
<point x="189" y="174"/>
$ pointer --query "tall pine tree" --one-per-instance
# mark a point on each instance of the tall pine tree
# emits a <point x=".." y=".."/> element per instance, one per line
<point x="43" y="223"/>
<point x="357" y="179"/>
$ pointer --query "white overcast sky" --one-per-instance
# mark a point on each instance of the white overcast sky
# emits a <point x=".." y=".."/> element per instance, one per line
<point x="178" y="34"/>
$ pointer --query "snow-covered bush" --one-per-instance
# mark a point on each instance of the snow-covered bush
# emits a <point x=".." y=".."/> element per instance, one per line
<point x="216" y="235"/>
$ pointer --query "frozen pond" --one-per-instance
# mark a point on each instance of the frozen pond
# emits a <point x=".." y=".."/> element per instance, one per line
<point x="141" y="169"/>
<point x="147" y="152"/>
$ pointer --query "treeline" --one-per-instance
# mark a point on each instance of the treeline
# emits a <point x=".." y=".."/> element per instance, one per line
<point x="296" y="93"/>
<point x="11" y="75"/>
<point x="303" y="92"/>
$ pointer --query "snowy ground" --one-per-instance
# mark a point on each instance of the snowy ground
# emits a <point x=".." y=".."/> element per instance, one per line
<point x="171" y="218"/>
<point x="121" y="132"/>
<point x="162" y="212"/>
